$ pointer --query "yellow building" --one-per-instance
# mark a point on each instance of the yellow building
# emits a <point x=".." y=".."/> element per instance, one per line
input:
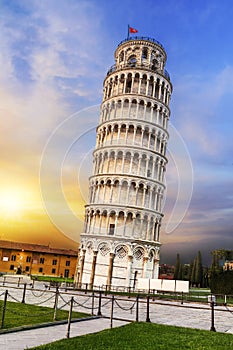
<point x="228" y="265"/>
<point x="35" y="259"/>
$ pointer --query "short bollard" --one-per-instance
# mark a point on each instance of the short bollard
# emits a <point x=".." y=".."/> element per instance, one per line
<point x="148" y="308"/>
<point x="70" y="317"/>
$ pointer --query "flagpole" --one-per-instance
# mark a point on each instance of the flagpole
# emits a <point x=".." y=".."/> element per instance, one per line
<point x="128" y="32"/>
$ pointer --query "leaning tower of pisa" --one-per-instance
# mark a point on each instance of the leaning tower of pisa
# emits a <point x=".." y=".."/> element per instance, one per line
<point x="121" y="237"/>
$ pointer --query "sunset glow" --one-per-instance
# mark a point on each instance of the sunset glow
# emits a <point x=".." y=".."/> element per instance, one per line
<point x="12" y="204"/>
<point x="54" y="59"/>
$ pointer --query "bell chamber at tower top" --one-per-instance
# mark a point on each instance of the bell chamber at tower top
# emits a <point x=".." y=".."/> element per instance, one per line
<point x="139" y="69"/>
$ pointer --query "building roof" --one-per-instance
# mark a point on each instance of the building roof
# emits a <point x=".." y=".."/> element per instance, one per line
<point x="36" y="248"/>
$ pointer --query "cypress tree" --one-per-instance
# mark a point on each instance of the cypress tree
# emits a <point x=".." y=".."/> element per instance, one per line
<point x="198" y="270"/>
<point x="177" y="267"/>
<point x="181" y="272"/>
<point x="193" y="274"/>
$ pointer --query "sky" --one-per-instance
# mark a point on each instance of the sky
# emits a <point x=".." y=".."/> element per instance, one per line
<point x="54" y="56"/>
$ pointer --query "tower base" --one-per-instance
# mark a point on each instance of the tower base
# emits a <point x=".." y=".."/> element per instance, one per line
<point x="110" y="263"/>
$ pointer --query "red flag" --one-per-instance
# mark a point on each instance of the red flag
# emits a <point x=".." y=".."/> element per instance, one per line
<point x="132" y="30"/>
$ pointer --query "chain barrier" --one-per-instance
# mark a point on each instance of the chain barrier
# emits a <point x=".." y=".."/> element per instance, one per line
<point x="84" y="301"/>
<point x="42" y="302"/>
<point x="60" y="295"/>
<point x="15" y="299"/>
<point x="2" y="293"/>
<point x="61" y="307"/>
<point x="123" y="308"/>
<point x="227" y="308"/>
<point x="76" y="304"/>
<point x="109" y="301"/>
<point x="38" y="296"/>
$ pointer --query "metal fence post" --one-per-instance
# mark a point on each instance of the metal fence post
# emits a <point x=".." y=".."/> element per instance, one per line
<point x="55" y="304"/>
<point x="148" y="308"/>
<point x="93" y="303"/>
<point x="99" y="309"/>
<point x="112" y="307"/>
<point x="137" y="307"/>
<point x="212" y="328"/>
<point x="24" y="293"/>
<point x="4" y="308"/>
<point x="70" y="317"/>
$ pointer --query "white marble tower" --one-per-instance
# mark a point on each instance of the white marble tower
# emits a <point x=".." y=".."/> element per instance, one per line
<point x="120" y="241"/>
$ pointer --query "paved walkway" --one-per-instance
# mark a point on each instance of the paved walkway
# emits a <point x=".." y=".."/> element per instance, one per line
<point x="35" y="337"/>
<point x="193" y="315"/>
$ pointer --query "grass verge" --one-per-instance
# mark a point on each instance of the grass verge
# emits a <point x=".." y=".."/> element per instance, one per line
<point x="17" y="314"/>
<point x="146" y="336"/>
<point x="52" y="279"/>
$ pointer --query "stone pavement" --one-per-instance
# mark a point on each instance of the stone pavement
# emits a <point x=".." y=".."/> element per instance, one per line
<point x="193" y="315"/>
<point x="35" y="337"/>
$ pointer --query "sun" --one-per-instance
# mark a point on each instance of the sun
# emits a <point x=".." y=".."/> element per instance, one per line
<point x="11" y="204"/>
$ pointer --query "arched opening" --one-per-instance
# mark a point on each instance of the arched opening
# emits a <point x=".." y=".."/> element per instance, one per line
<point x="132" y="60"/>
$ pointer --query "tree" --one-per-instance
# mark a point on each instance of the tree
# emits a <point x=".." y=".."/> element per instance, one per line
<point x="199" y="270"/>
<point x="193" y="273"/>
<point x="177" y="267"/>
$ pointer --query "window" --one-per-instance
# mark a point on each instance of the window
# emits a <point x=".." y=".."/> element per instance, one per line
<point x="13" y="257"/>
<point x="111" y="229"/>
<point x="144" y="53"/>
<point x="5" y="258"/>
<point x="53" y="270"/>
<point x="28" y="259"/>
<point x="121" y="56"/>
<point x="12" y="267"/>
<point x="67" y="263"/>
<point x="41" y="260"/>
<point x="55" y="262"/>
<point x="40" y="269"/>
<point x="66" y="273"/>
<point x="27" y="268"/>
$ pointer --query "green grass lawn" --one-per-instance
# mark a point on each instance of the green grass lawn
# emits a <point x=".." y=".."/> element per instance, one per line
<point x="146" y="336"/>
<point x="52" y="279"/>
<point x="18" y="314"/>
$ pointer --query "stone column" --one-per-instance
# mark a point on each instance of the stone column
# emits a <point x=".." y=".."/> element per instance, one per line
<point x="82" y="261"/>
<point x="144" y="266"/>
<point x="129" y="269"/>
<point x="100" y="223"/>
<point x="92" y="277"/>
<point x="124" y="226"/>
<point x="155" y="271"/>
<point x="160" y="87"/>
<point x="110" y="270"/>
